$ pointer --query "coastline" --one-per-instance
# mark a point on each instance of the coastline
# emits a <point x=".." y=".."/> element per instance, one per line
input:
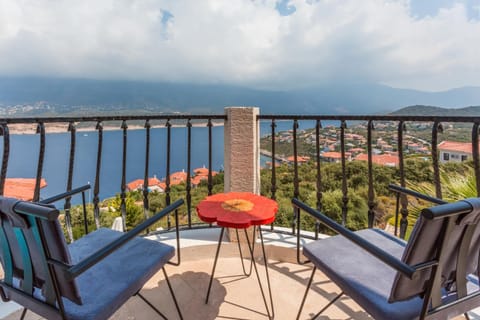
<point x="23" y="128"/>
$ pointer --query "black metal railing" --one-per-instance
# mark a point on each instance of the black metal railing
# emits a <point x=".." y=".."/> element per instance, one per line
<point x="188" y="122"/>
<point x="401" y="122"/>
<point x="99" y="124"/>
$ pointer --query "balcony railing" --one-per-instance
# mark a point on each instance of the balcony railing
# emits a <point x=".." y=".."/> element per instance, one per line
<point x="189" y="123"/>
<point x="186" y="123"/>
<point x="434" y="122"/>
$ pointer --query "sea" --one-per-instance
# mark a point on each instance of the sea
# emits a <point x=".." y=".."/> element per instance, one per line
<point x="24" y="152"/>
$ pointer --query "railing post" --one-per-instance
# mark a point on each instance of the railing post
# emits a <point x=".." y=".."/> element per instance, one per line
<point x="242" y="146"/>
<point x="241" y="152"/>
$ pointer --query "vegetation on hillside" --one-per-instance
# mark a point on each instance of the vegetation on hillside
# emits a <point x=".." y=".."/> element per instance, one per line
<point x="418" y="172"/>
<point x="422" y="110"/>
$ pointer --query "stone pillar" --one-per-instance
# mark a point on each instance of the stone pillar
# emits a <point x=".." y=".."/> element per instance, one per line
<point x="242" y="154"/>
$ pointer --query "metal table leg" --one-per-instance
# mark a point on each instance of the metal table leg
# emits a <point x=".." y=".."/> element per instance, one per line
<point x="241" y="255"/>
<point x="251" y="249"/>
<point x="214" y="264"/>
<point x="272" y="314"/>
<point x="216" y="259"/>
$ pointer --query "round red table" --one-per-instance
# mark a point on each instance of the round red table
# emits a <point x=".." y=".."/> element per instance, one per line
<point x="237" y="210"/>
<point x="240" y="210"/>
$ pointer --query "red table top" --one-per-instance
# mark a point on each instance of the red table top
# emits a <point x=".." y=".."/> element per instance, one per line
<point x="237" y="209"/>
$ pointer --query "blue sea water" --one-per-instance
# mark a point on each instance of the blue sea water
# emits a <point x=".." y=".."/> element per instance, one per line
<point x="24" y="150"/>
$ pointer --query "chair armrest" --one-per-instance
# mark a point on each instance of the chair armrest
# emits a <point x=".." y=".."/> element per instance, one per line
<point x="100" y="254"/>
<point x="65" y="194"/>
<point x="46" y="212"/>
<point x="380" y="254"/>
<point x="32" y="209"/>
<point x="401" y="190"/>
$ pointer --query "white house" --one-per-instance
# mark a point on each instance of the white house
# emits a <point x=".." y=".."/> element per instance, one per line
<point x="451" y="151"/>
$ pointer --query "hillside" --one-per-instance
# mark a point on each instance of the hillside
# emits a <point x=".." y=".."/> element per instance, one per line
<point x="419" y="110"/>
<point x="56" y="96"/>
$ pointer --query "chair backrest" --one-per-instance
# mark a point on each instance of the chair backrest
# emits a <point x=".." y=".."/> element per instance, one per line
<point x="31" y="237"/>
<point x="441" y="233"/>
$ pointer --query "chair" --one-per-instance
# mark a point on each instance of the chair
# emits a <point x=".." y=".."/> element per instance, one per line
<point x="90" y="278"/>
<point x="432" y="276"/>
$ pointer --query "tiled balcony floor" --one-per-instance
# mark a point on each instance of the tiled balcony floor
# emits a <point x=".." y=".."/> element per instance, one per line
<point x="234" y="296"/>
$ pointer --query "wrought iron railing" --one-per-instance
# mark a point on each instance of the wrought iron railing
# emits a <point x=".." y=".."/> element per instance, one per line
<point x="435" y="123"/>
<point x="187" y="122"/>
<point x="120" y="122"/>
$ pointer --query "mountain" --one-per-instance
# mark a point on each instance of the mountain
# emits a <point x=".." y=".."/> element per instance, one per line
<point x="73" y="96"/>
<point x="430" y="110"/>
<point x="374" y="98"/>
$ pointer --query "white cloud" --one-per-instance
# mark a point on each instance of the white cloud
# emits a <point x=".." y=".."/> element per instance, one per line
<point x="244" y="42"/>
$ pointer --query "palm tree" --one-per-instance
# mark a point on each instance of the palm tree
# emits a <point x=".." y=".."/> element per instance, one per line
<point x="455" y="185"/>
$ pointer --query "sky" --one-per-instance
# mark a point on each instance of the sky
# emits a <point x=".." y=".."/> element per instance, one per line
<point x="430" y="45"/>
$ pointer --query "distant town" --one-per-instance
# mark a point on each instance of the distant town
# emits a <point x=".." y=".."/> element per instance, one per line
<point x="176" y="178"/>
<point x="417" y="143"/>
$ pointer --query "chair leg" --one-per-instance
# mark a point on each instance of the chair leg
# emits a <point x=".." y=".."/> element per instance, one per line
<point x="306" y="292"/>
<point x="151" y="306"/>
<point x="328" y="305"/>
<point x="305" y="298"/>
<point x="173" y="294"/>
<point x="466" y="316"/>
<point x="24" y="311"/>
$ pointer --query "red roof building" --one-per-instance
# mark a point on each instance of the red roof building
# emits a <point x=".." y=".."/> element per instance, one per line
<point x="201" y="171"/>
<point x="387" y="160"/>
<point x="300" y="159"/>
<point x="201" y="174"/>
<point x="21" y="188"/>
<point x="334" y="156"/>
<point x="178" y="178"/>
<point x="356" y="150"/>
<point x="452" y="151"/>
<point x="153" y="184"/>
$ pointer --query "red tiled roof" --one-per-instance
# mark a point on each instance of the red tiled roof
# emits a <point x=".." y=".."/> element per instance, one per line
<point x="178" y="177"/>
<point x="201" y="174"/>
<point x="21" y="188"/>
<point x="299" y="158"/>
<point x="137" y="184"/>
<point x="332" y="155"/>
<point x="269" y="164"/>
<point x="162" y="185"/>
<point x="464" y="147"/>
<point x="335" y="155"/>
<point x="197" y="179"/>
<point x="201" y="171"/>
<point x="382" y="159"/>
<point x="175" y="179"/>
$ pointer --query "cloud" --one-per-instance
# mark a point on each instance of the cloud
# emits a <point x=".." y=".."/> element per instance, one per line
<point x="257" y="43"/>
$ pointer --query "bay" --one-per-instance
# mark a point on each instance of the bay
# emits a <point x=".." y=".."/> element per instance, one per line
<point x="24" y="153"/>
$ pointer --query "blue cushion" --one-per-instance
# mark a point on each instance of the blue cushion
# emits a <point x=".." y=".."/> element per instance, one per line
<point x="106" y="286"/>
<point x="364" y="278"/>
<point x="55" y="245"/>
